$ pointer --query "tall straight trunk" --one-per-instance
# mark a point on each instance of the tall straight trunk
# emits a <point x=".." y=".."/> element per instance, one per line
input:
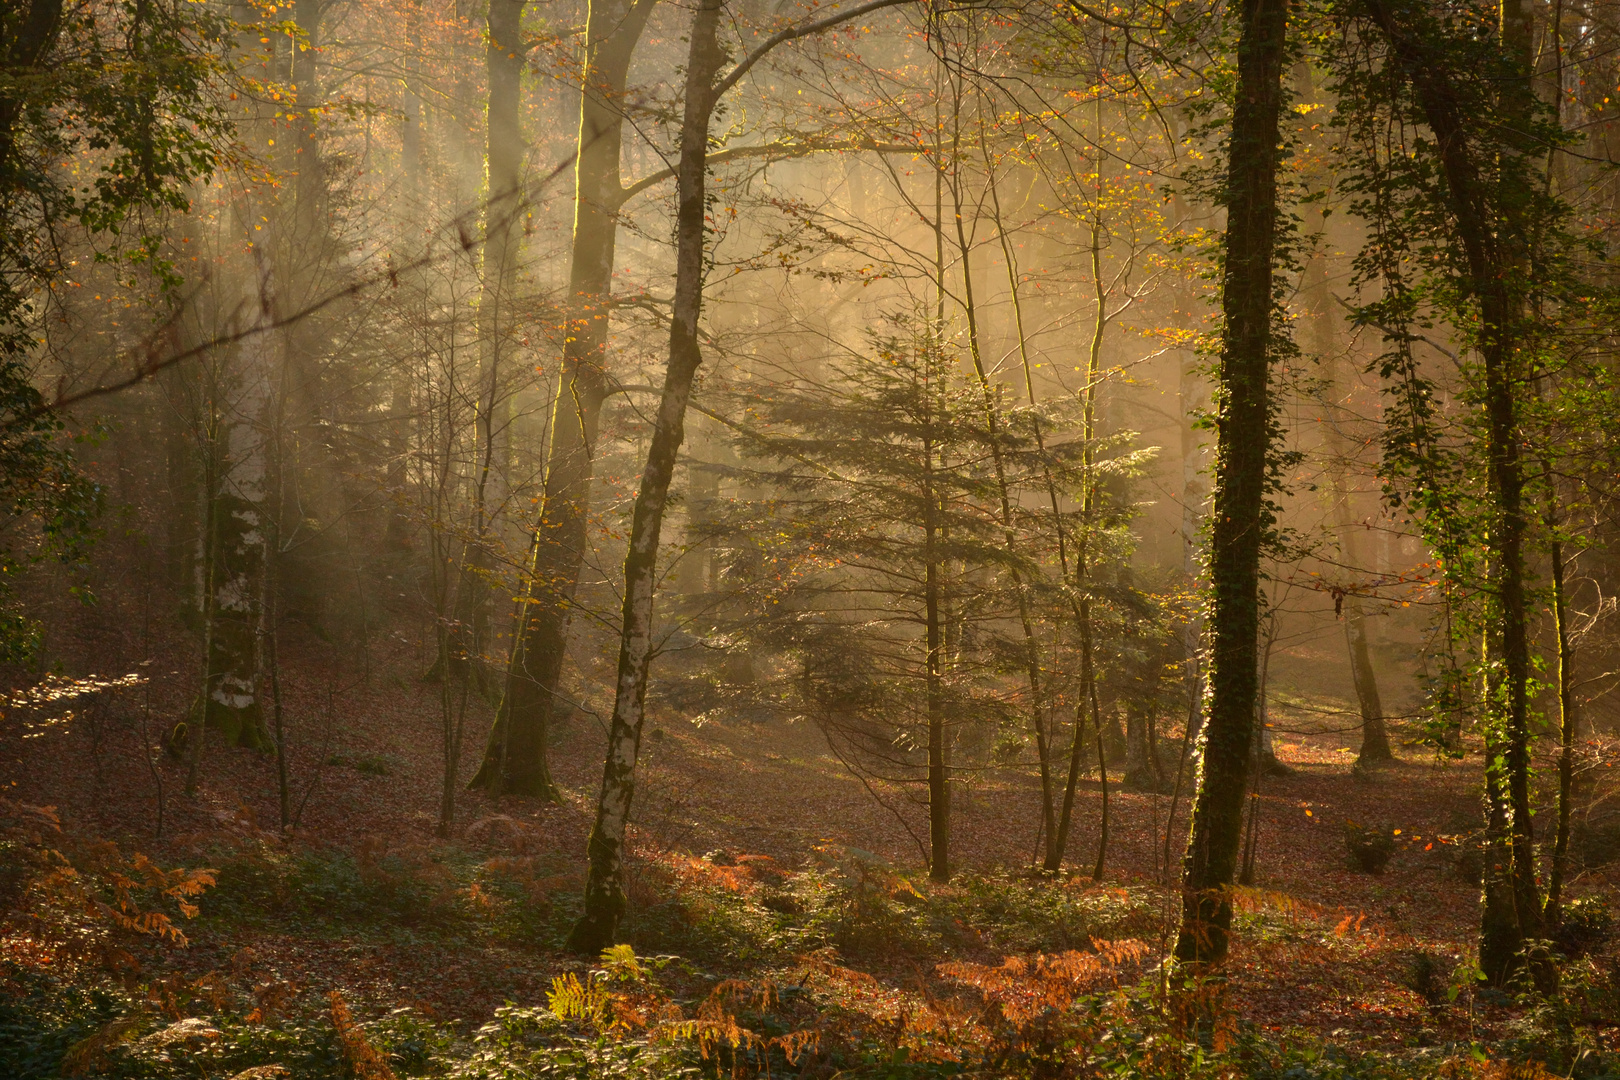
<point x="515" y="758"/>
<point x="939" y="781"/>
<point x="1553" y="910"/>
<point x="504" y="205"/>
<point x="1009" y="533"/>
<point x="412" y="161"/>
<point x="1190" y="397"/>
<point x="1490" y="226"/>
<point x="1192" y="505"/>
<point x="197" y="728"/>
<point x="1082" y="554"/>
<point x="1244" y="436"/>
<point x="1102" y="781"/>
<point x="237" y="533"/>
<point x="604" y="892"/>
<point x="1054" y="858"/>
<point x="1374" y="734"/>
<point x="504" y="61"/>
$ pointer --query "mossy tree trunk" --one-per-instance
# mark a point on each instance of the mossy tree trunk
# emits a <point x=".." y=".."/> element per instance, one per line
<point x="1489" y="203"/>
<point x="1243" y="425"/>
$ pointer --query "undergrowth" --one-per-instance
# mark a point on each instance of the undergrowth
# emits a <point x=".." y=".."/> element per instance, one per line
<point x="739" y="968"/>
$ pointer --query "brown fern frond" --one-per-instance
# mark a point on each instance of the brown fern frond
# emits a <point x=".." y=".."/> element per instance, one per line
<point x="365" y="1061"/>
<point x="90" y="1054"/>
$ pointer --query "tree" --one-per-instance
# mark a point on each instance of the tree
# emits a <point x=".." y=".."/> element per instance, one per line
<point x="515" y="757"/>
<point x="604" y="893"/>
<point x="1498" y="257"/>
<point x="129" y="88"/>
<point x="873" y="486"/>
<point x="1241" y="516"/>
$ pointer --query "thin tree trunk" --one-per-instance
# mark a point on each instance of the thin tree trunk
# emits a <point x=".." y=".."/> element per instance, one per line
<point x="1553" y="911"/>
<point x="604" y="891"/>
<point x="1102" y="778"/>
<point x="278" y="729"/>
<point x="515" y="758"/>
<point x="939" y="791"/>
<point x="1265" y="754"/>
<point x="1038" y="713"/>
<point x="1009" y="535"/>
<point x="1082" y="601"/>
<point x="1244" y="439"/>
<point x="1374" y="735"/>
<point x="198" y="728"/>
<point x="398" y="535"/>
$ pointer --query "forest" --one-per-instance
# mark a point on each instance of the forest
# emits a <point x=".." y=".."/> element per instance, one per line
<point x="854" y="539"/>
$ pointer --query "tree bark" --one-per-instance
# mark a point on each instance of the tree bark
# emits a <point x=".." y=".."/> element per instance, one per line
<point x="515" y="758"/>
<point x="1038" y="710"/>
<point x="238" y="517"/>
<point x="1374" y="736"/>
<point x="398" y="534"/>
<point x="1243" y="442"/>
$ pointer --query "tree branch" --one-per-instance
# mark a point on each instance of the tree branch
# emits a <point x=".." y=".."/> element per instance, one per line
<point x="794" y="32"/>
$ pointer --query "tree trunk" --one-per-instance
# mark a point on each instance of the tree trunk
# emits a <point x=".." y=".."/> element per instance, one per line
<point x="604" y="893"/>
<point x="1265" y="752"/>
<point x="1491" y="230"/>
<point x="939" y="781"/>
<point x="1240" y="518"/>
<point x="1082" y="549"/>
<point x="1553" y="911"/>
<point x="414" y="207"/>
<point x="238" y="524"/>
<point x="1038" y="711"/>
<point x="1139" y="772"/>
<point x="1009" y="535"/>
<point x="1374" y="736"/>
<point x="515" y="759"/>
<point x="1102" y="780"/>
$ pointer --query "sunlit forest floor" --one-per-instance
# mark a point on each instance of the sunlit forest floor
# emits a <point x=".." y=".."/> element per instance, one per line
<point x="757" y="857"/>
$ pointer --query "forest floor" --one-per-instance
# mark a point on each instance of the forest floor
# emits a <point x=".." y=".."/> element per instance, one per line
<point x="367" y="898"/>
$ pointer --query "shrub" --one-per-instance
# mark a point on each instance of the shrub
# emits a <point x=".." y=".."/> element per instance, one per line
<point x="1042" y="914"/>
<point x="1426" y="976"/>
<point x="1585" y="924"/>
<point x="1370" y="846"/>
